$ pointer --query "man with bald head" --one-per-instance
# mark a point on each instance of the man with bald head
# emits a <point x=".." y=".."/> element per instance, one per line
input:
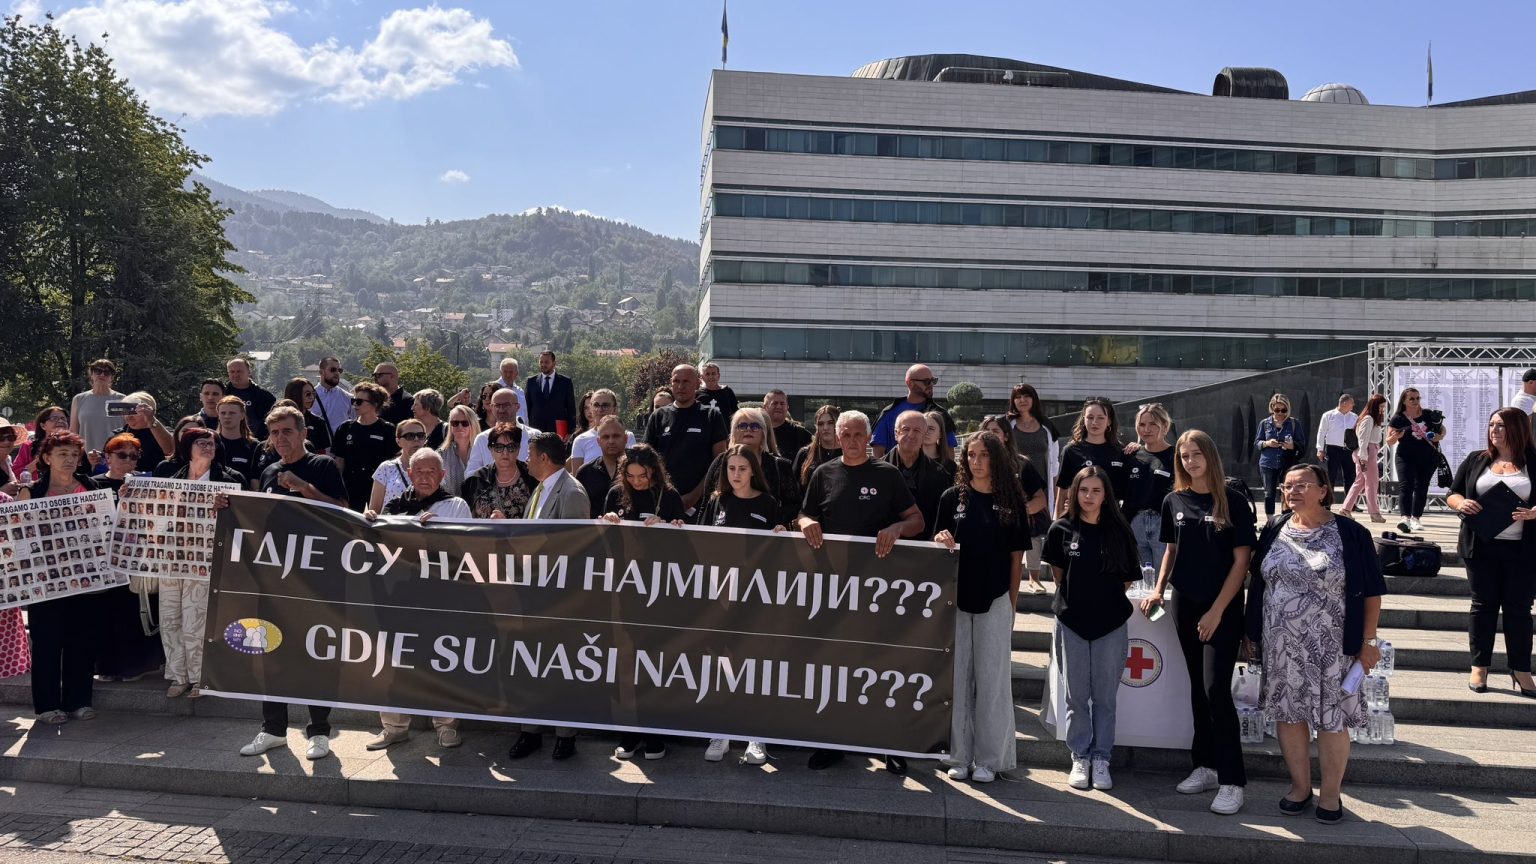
<point x="400" y="405"/>
<point x="920" y="384"/>
<point x="924" y="478"/>
<point x="688" y="435"/>
<point x="503" y="409"/>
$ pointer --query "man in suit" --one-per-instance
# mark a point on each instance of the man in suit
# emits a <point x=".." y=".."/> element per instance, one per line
<point x="558" y="496"/>
<point x="551" y="398"/>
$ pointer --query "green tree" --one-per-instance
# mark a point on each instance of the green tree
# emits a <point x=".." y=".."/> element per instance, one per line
<point x="965" y="401"/>
<point x="588" y="371"/>
<point x="104" y="248"/>
<point x="420" y="367"/>
<point x="642" y="375"/>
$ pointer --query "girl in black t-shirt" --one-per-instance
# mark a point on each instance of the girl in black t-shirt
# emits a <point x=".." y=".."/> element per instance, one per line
<point x="823" y="447"/>
<point x="741" y="498"/>
<point x="644" y="492"/>
<point x="1209" y="531"/>
<point x="1093" y="560"/>
<point x="1095" y="441"/>
<point x="985" y="514"/>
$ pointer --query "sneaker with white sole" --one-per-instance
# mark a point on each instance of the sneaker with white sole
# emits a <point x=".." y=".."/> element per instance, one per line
<point x="716" y="749"/>
<point x="319" y="747"/>
<point x="959" y="772"/>
<point x="1078" y="779"/>
<point x="756" y="753"/>
<point x="1199" y="780"/>
<point x="1415" y="525"/>
<point x="1229" y="800"/>
<point x="982" y="774"/>
<point x="1101" y="779"/>
<point x="262" y="743"/>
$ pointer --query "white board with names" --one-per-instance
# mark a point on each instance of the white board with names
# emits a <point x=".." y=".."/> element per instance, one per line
<point x="1466" y="395"/>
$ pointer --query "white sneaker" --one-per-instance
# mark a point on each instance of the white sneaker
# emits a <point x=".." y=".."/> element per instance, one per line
<point x="1199" y="780"/>
<point x="262" y="743"/>
<point x="319" y="748"/>
<point x="716" y="749"/>
<point x="756" y="753"/>
<point x="982" y="774"/>
<point x="1228" y="801"/>
<point x="959" y="772"/>
<point x="1415" y="525"/>
<point x="1101" y="778"/>
<point x="1078" y="779"/>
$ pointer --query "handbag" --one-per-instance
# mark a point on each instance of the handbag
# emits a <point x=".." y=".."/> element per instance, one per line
<point x="144" y="585"/>
<point x="1245" y="686"/>
<point x="1351" y="439"/>
<point x="1443" y="475"/>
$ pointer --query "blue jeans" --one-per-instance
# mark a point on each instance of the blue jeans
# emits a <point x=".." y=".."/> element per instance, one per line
<point x="1091" y="670"/>
<point x="1146" y="526"/>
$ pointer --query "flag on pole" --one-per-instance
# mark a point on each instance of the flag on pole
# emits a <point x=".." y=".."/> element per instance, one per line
<point x="1430" y="70"/>
<point x="725" y="32"/>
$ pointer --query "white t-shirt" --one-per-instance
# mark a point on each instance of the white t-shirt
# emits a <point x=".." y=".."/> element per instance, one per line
<point x="586" y="448"/>
<point x="392" y="476"/>
<point x="1518" y="483"/>
<point x="1524" y="401"/>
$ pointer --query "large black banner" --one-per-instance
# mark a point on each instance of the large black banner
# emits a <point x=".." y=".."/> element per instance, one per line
<point x="694" y="631"/>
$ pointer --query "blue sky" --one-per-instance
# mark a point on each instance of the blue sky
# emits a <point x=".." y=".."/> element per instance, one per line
<point x="597" y="105"/>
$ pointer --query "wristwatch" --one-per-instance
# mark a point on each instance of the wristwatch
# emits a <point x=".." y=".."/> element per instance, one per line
<point x="1373" y="642"/>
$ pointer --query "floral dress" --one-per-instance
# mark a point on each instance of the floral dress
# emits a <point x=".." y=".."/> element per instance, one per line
<point x="1304" y="662"/>
<point x="15" y="652"/>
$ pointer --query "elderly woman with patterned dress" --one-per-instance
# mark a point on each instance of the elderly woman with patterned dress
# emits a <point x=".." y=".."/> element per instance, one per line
<point x="502" y="489"/>
<point x="1314" y="600"/>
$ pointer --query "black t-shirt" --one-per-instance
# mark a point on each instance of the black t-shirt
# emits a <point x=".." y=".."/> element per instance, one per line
<point x="686" y="439"/>
<point x="790" y="438"/>
<point x="238" y="454"/>
<point x="1109" y="456"/>
<point x="804" y="453"/>
<point x="987" y="547"/>
<point x="258" y="403"/>
<point x="643" y="504"/>
<point x="362" y="449"/>
<point x="1205" y="555"/>
<point x="1150" y="481"/>
<point x="400" y="407"/>
<point x="860" y="500"/>
<point x="318" y="470"/>
<point x="594" y="477"/>
<point x="317" y="432"/>
<point x="1411" y="446"/>
<point x="1090" y="595"/>
<point x="150" y="452"/>
<point x="723" y="399"/>
<point x="437" y="436"/>
<point x="1029" y="478"/>
<point x="728" y="511"/>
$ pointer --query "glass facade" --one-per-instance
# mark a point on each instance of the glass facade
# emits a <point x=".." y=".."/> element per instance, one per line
<point x="723" y="341"/>
<point x="1067" y="152"/>
<point x="728" y="271"/>
<point x="1101" y="218"/>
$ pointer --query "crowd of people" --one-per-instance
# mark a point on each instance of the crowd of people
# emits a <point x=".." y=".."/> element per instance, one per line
<point x="1017" y="500"/>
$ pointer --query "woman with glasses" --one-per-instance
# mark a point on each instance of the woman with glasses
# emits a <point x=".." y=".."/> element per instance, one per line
<point x="27" y="457"/>
<point x="184" y="602"/>
<point x="599" y="404"/>
<point x="425" y="405"/>
<point x="390" y="479"/>
<point x="126" y="652"/>
<point x="1314" y="599"/>
<point x="501" y="489"/>
<point x="361" y="445"/>
<point x="823" y="447"/>
<point x="155" y="440"/>
<point x="9" y="484"/>
<point x="1417" y="432"/>
<point x="749" y="428"/>
<point x="1280" y="443"/>
<point x="463" y="429"/>
<point x="317" y="432"/>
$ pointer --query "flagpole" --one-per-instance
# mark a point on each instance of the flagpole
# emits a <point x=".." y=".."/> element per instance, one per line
<point x="1429" y="70"/>
<point x="725" y="31"/>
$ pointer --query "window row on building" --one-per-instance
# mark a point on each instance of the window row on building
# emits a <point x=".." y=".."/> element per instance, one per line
<point x="1258" y="351"/>
<point x="729" y="271"/>
<point x="989" y="149"/>
<point x="902" y="212"/>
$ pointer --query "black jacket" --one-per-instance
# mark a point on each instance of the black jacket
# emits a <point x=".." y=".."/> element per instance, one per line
<point x="1362" y="579"/>
<point x="216" y="474"/>
<point x="1468" y="544"/>
<point x="560" y="404"/>
<point x="932" y="480"/>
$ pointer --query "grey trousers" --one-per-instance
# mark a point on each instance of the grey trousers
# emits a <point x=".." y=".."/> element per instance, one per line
<point x="394" y="723"/>
<point x="981" y="727"/>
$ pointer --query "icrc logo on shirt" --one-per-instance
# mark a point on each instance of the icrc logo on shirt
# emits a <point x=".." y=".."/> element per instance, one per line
<point x="1178" y="518"/>
<point x="868" y="493"/>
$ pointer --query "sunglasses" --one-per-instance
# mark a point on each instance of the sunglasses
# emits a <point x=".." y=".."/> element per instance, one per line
<point x="8" y="435"/>
<point x="749" y="427"/>
<point x="460" y="423"/>
<point x="503" y="448"/>
<point x="126" y="454"/>
<point x="413" y="436"/>
<point x="356" y="401"/>
<point x="1278" y="410"/>
<point x="929" y="381"/>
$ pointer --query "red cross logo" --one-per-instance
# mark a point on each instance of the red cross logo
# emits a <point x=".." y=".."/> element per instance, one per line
<point x="1143" y="664"/>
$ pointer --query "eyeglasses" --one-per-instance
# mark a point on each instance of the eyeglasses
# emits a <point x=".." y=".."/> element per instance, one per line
<point x="107" y="373"/>
<point x="749" y="427"/>
<point x="205" y="444"/>
<point x="357" y="401"/>
<point x="1296" y="487"/>
<point x="8" y="435"/>
<point x="412" y="436"/>
<point x="126" y="454"/>
<point x="458" y="423"/>
<point x="503" y="448"/>
<point x="928" y="381"/>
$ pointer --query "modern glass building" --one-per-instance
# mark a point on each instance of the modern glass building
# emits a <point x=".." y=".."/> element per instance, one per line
<point x="1002" y="220"/>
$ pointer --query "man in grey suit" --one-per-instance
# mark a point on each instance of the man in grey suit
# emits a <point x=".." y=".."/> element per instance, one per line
<point x="558" y="496"/>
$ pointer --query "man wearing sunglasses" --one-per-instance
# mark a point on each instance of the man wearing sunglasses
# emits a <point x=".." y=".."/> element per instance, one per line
<point x="920" y="384"/>
<point x="401" y="404"/>
<point x="503" y="409"/>
<point x="333" y="400"/>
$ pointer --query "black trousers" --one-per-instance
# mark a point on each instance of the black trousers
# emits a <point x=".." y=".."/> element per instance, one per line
<point x="1414" y="471"/>
<point x="1503" y="578"/>
<point x="64" y="635"/>
<point x="1341" y="466"/>
<point x="274" y="719"/>
<point x="1217" y="743"/>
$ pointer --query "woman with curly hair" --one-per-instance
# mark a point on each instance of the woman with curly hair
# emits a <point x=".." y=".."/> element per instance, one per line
<point x="984" y="514"/>
<point x="644" y="492"/>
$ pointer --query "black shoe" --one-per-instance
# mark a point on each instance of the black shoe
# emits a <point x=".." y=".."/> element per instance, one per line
<point x="1292" y="808"/>
<point x="821" y="759"/>
<point x="527" y="743"/>
<point x="1477" y="688"/>
<point x="655" y="749"/>
<point x="565" y="747"/>
<point x="1521" y="691"/>
<point x="1404" y="527"/>
<point x="1329" y="817"/>
<point x="896" y="765"/>
<point x="629" y="745"/>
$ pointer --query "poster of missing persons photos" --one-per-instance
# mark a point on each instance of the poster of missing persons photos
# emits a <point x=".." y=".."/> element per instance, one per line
<point x="165" y="528"/>
<point x="57" y="546"/>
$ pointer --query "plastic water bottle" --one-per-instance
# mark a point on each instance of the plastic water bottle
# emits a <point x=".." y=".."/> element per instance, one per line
<point x="1148" y="579"/>
<point x="1270" y="728"/>
<point x="1377" y="690"/>
<point x="1354" y="734"/>
<point x="1387" y="726"/>
<point x="1250" y="725"/>
<point x="1388" y="662"/>
<point x="25" y="478"/>
<point x="1367" y="734"/>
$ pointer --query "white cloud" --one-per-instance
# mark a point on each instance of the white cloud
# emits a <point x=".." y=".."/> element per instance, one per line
<point x="454" y="175"/>
<point x="209" y="57"/>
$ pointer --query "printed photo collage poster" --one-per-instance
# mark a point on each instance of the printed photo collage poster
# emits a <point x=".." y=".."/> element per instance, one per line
<point x="165" y="528"/>
<point x="1466" y="395"/>
<point x="54" y="547"/>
